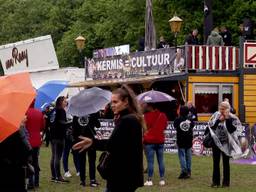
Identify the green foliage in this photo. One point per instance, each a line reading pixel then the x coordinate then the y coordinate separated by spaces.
pixel 106 23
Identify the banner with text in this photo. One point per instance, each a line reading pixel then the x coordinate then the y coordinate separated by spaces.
pixel 160 61
pixel 107 126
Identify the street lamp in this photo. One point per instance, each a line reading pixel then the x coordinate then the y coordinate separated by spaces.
pixel 175 24
pixel 80 43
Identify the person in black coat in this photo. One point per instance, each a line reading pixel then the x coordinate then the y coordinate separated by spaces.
pixel 125 167
pixel 192 115
pixel 226 35
pixel 184 127
pixel 192 38
pixel 15 152
pixel 84 126
pixel 125 143
pixel 58 128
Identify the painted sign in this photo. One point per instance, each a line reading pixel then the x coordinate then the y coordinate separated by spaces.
pixel 250 55
pixel 31 55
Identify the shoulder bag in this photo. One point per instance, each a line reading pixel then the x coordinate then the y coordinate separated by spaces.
pixel 208 140
pixel 103 166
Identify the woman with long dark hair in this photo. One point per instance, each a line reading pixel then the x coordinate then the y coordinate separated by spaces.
pixel 125 166
pixel 58 132
pixel 125 143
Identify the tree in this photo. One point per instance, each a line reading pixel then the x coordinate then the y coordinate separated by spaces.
pixel 110 23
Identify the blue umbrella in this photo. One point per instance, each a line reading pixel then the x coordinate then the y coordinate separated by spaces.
pixel 48 93
pixel 154 97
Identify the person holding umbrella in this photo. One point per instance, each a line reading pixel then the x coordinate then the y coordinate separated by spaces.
pixel 156 123
pixel 17 93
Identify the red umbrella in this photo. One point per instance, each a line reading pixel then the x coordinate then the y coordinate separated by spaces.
pixel 16 95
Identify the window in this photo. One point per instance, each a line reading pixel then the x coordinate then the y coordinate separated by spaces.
pixel 208 96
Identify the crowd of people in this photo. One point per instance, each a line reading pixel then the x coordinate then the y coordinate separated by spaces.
pixel 138 127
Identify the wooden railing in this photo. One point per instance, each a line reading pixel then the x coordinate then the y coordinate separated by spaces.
pixel 216 58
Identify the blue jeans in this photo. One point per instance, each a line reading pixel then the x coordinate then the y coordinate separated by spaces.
pixel 151 149
pixel 66 152
pixel 185 156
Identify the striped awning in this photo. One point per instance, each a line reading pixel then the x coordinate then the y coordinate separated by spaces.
pixel 227 89
pixel 206 89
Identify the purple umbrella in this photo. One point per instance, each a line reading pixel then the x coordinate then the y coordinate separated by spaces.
pixel 154 97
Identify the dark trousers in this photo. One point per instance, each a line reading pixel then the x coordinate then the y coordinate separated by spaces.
pixel 92 167
pixel 47 136
pixel 216 154
pixel 66 152
pixel 57 150
pixel 119 189
pixel 12 178
pixel 34 179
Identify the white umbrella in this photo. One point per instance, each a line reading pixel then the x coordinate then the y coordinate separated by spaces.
pixel 154 97
pixel 88 101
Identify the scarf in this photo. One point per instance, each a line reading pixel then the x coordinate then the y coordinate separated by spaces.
pixel 232 147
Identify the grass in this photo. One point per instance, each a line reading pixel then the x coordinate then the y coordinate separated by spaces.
pixel 242 177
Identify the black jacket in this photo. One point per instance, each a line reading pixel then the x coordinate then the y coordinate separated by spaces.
pixel 219 132
pixel 193 114
pixel 227 38
pixel 59 125
pixel 125 147
pixel 229 123
pixel 84 126
pixel 184 128
pixel 191 40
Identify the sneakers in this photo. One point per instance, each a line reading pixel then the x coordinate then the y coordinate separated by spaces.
pixel 162 183
pixel 148 183
pixel 67 174
pixel 78 174
pixel 94 183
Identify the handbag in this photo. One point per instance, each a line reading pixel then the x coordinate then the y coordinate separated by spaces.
pixel 208 140
pixel 103 166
